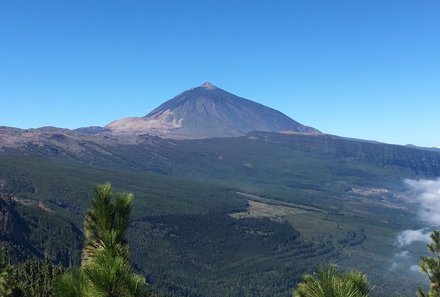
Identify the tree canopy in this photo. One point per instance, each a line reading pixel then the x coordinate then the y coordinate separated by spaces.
pixel 431 266
pixel 105 269
pixel 329 282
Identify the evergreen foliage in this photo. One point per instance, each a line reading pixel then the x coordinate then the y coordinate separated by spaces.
pixel 32 278
pixel 37 278
pixel 7 283
pixel 214 259
pixel 431 266
pixel 328 282
pixel 49 236
pixel 105 269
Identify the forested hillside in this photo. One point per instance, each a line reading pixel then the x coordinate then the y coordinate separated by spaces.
pixel 186 235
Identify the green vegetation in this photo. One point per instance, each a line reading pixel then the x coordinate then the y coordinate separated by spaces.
pixel 328 282
pixel 431 267
pixel 213 253
pixel 32 278
pixel 31 231
pixel 49 236
pixel 105 269
pixel 64 187
pixel 37 278
pixel 340 199
pixel 360 236
pixel 7 287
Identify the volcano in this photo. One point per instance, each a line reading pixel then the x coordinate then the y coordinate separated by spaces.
pixel 209 112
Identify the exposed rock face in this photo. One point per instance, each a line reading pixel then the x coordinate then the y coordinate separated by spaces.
pixel 208 112
pixel 10 229
pixel 6 224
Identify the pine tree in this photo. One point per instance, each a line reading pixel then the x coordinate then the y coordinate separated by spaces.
pixel 105 269
pixel 8 286
pixel 37 278
pixel 431 266
pixel 328 282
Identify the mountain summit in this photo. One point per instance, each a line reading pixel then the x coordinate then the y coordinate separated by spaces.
pixel 207 112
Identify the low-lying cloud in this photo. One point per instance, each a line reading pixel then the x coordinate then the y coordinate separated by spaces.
pixel 405 262
pixel 426 193
pixel 402 255
pixel 415 268
pixel 425 196
pixel 408 237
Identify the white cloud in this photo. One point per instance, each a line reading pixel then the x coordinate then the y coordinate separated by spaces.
pixel 415 268
pixel 402 261
pixel 407 237
pixel 426 193
pixel 402 255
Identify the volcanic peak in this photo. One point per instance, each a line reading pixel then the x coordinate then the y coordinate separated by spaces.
pixel 209 112
pixel 208 86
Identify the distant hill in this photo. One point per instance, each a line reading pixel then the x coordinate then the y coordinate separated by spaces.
pixel 432 149
pixel 208 112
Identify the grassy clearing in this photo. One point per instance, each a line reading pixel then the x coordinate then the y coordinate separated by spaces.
pixel 264 210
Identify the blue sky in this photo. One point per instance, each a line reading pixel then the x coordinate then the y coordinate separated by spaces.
pixel 364 69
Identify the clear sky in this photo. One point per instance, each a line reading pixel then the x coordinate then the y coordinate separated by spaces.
pixel 368 69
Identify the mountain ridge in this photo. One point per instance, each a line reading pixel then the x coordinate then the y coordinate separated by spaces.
pixel 209 112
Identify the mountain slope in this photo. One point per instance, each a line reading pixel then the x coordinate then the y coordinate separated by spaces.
pixel 196 158
pixel 322 190
pixel 208 112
